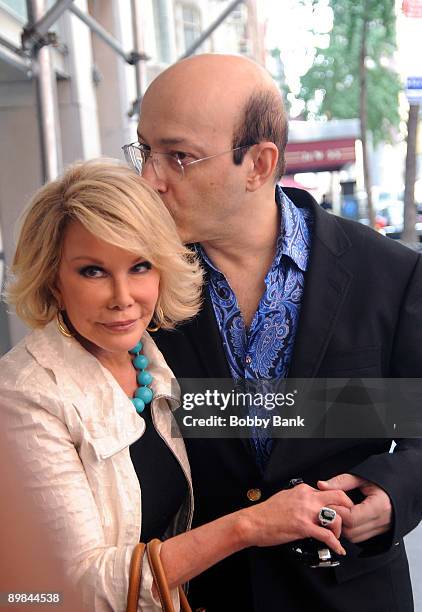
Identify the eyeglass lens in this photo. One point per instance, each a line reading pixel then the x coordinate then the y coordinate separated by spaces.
pixel 164 164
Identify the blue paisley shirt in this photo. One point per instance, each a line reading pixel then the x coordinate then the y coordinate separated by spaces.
pixel 264 351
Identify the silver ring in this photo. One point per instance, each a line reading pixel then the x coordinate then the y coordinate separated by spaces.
pixel 326 516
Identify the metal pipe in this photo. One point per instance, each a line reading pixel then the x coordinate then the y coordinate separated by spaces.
pixel 16 61
pixel 138 43
pixel 138 46
pixel 46 102
pixel 93 25
pixel 37 29
pixel 48 117
pixel 9 45
pixel 163 10
pixel 206 33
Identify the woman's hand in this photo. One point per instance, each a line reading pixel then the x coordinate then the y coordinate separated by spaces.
pixel 286 516
pixel 293 515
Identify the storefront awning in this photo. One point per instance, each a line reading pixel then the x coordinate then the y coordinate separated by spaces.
pixel 319 155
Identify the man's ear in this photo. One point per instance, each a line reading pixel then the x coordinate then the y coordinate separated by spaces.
pixel 265 157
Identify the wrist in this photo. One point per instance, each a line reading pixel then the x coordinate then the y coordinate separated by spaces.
pixel 246 528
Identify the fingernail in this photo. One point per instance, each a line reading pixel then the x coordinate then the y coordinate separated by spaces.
pixel 343 552
pixel 323 481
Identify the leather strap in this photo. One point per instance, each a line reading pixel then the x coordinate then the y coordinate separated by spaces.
pixel 160 580
pixel 135 578
pixel 184 605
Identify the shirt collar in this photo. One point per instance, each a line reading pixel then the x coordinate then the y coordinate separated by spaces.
pixel 293 239
pixel 204 257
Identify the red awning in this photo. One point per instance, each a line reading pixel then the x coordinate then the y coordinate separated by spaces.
pixel 319 155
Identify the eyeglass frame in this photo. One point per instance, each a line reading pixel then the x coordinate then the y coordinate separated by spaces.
pixel 139 146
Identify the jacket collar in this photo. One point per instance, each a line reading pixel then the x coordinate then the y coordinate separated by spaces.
pixel 327 283
pixel 100 402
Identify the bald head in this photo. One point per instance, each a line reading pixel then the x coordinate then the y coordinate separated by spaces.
pixel 216 93
pixel 234 75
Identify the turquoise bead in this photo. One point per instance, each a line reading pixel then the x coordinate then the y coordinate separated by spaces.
pixel 144 378
pixel 138 403
pixel 140 362
pixel 144 393
pixel 136 349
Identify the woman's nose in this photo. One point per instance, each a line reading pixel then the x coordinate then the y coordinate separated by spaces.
pixel 121 296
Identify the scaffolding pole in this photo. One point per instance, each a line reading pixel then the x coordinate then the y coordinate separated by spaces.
pixel 16 60
pixel 138 43
pixel 36 31
pixel 10 46
pixel 207 33
pixel 131 58
pixel 46 98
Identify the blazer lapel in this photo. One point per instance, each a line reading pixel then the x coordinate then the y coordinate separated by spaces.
pixel 327 283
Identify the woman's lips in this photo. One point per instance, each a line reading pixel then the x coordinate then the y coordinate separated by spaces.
pixel 119 325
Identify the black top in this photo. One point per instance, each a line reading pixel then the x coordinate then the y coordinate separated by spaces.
pixel 163 483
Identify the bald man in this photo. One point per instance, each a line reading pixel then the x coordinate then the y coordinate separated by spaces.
pixel 291 292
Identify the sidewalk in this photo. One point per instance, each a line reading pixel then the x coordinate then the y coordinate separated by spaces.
pixel 414 552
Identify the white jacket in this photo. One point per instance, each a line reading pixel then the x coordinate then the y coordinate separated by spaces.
pixel 72 424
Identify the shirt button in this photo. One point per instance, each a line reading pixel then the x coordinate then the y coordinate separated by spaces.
pixel 248 359
pixel 254 495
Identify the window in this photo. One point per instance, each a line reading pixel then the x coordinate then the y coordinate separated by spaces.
pixel 17 7
pixel 188 25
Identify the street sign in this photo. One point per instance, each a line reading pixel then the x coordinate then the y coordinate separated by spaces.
pixel 414 89
pixel 414 82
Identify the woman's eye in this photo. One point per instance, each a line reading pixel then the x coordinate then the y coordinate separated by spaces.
pixel 92 272
pixel 142 266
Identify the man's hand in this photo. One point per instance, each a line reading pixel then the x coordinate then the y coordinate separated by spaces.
pixel 371 517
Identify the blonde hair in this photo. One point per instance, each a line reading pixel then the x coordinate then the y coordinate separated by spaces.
pixel 117 206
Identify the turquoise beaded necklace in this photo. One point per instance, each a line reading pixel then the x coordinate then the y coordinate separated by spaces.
pixel 143 394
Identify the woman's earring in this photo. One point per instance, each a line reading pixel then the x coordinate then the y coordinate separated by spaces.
pixel 63 329
pixel 159 314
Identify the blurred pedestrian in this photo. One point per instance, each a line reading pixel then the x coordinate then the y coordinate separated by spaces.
pixel 326 203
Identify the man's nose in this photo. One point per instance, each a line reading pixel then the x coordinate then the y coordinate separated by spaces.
pixel 150 175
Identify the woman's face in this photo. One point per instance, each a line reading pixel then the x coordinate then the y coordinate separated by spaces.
pixel 109 294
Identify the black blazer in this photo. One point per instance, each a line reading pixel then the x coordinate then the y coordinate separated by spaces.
pixel 361 316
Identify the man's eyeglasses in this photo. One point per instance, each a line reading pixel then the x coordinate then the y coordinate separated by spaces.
pixel 165 165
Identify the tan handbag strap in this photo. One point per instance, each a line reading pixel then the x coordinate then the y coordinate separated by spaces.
pixel 184 604
pixel 160 579
pixel 135 574
pixel 159 576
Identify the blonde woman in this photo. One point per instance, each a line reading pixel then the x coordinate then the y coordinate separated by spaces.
pixel 87 397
